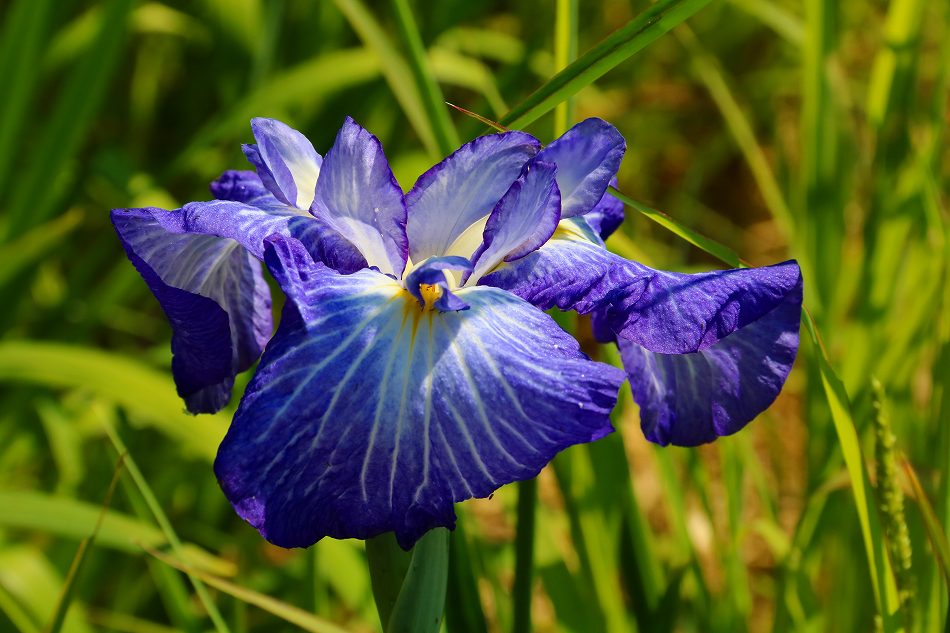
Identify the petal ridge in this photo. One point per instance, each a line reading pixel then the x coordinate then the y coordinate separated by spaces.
pixel 462 189
pixel 359 198
pixel 677 313
pixel 523 220
pixel 571 271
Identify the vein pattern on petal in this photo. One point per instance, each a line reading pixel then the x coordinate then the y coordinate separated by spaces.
pixel 368 414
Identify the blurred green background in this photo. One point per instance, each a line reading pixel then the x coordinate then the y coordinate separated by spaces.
pixel 809 129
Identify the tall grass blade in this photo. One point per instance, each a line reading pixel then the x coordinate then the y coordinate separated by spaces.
pixel 16 614
pixel 882 577
pixel 162 519
pixel 388 564
pixel 714 248
pixel 29 248
pixel 565 52
pixel 74 519
pixel 65 599
pixel 523 587
pixel 290 89
pixel 30 579
pixel 454 69
pixel 463 607
pixel 594 535
pixel 776 17
pixel 22 40
pixel 708 72
pixel 421 600
pixel 394 67
pixel 935 533
pixel 894 63
pixel 36 195
pixel 822 202
pixel 282 610
pixel 445 135
pixel 611 51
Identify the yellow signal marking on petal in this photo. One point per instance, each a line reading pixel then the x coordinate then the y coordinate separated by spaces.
pixel 567 230
pixel 430 294
pixel 412 313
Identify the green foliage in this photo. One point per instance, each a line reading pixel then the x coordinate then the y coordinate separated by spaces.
pixel 763 128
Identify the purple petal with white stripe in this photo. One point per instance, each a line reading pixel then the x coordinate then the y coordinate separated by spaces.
pixel 368 414
pixel 358 197
pixel 462 190
pixel 285 161
pixel 587 156
pixel 705 353
pixel 523 220
pixel 214 295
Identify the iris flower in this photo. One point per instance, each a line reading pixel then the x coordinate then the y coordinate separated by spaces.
pixel 414 366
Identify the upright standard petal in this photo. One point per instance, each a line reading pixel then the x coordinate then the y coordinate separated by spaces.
pixel 462 190
pixel 587 156
pixel 285 161
pixel 368 414
pixel 707 353
pixel 523 220
pixel 358 197
pixel 214 295
pixel 571 271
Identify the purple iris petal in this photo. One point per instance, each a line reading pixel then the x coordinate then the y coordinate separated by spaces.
pixel 587 157
pixel 213 293
pixel 706 353
pixel 571 271
pixel 523 220
pixel 358 197
pixel 368 414
pixel 676 313
pixel 239 186
pixel 199 263
pixel 690 399
pixel 432 273
pixel 607 215
pixel 250 223
pixel 463 189
pixel 285 161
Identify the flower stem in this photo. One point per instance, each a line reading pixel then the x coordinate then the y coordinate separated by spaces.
pixel 388 564
pixel 524 555
pixel 409 589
